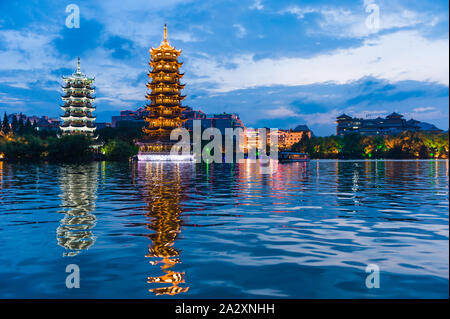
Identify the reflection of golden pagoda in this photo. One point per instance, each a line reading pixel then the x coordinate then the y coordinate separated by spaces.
pixel 79 187
pixel 164 109
pixel 1 174
pixel 163 201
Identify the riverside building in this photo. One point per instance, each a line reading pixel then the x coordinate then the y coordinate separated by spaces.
pixel 164 103
pixel 78 106
pixel 392 124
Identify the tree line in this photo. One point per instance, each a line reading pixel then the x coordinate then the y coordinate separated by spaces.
pixel 21 140
pixel 19 126
pixel 406 145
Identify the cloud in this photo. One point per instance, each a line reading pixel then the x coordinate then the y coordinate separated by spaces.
pixel 240 30
pixel 423 109
pixel 343 22
pixel 404 55
pixel 116 81
pixel 9 100
pixel 25 50
pixel 321 118
pixel 257 5
pixel 184 37
pixel 30 57
pixel 280 112
pixel 141 21
pixel 299 81
pixel 300 12
pixel 427 115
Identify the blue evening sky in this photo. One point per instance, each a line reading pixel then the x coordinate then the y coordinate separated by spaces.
pixel 278 63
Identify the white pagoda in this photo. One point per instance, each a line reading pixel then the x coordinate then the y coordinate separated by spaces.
pixel 78 99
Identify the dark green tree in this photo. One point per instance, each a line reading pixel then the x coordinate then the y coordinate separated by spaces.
pixel 28 128
pixel 119 150
pixel 24 149
pixel 14 124
pixel 70 148
pixel 20 125
pixel 5 124
pixel 302 145
pixel 352 146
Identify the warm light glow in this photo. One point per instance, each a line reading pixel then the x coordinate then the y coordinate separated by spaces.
pixel 157 157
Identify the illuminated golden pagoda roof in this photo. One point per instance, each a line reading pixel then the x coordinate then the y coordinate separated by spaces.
pixel 165 45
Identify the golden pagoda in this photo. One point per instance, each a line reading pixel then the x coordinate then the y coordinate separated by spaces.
pixel 164 100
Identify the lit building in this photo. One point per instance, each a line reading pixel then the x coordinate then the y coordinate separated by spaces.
pixel 35 118
pixel 252 139
pixel 164 108
pixel 102 125
pixel 41 123
pixel 49 124
pixel 78 99
pixel 129 118
pixel 227 120
pixel 287 138
pixel 392 124
pixel 190 116
pixel 223 121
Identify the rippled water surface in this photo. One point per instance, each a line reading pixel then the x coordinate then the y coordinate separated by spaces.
pixel 142 230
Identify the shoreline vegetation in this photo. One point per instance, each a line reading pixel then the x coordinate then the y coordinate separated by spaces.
pixel 22 141
pixel 117 144
pixel 45 145
pixel 406 145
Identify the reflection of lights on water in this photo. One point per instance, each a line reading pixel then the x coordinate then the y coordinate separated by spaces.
pixel 162 195
pixel 446 167
pixel 168 158
pixel 79 188
pixel 1 174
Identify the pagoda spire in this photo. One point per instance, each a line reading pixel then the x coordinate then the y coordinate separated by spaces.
pixel 78 66
pixel 165 33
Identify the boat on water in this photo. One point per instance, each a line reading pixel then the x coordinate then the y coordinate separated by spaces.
pixel 164 156
pixel 293 157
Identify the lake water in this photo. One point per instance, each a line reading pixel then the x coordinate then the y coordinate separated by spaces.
pixel 153 230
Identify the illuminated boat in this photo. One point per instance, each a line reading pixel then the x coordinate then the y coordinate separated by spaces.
pixel 164 156
pixel 293 157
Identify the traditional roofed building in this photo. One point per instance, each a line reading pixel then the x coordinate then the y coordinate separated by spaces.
pixel 78 99
pixel 392 124
pixel 164 107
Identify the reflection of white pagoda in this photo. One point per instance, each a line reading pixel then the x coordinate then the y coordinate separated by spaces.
pixel 79 188
pixel 78 99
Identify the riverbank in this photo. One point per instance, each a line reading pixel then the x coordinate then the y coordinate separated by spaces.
pixel 118 145
pixel 76 148
pixel 407 145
